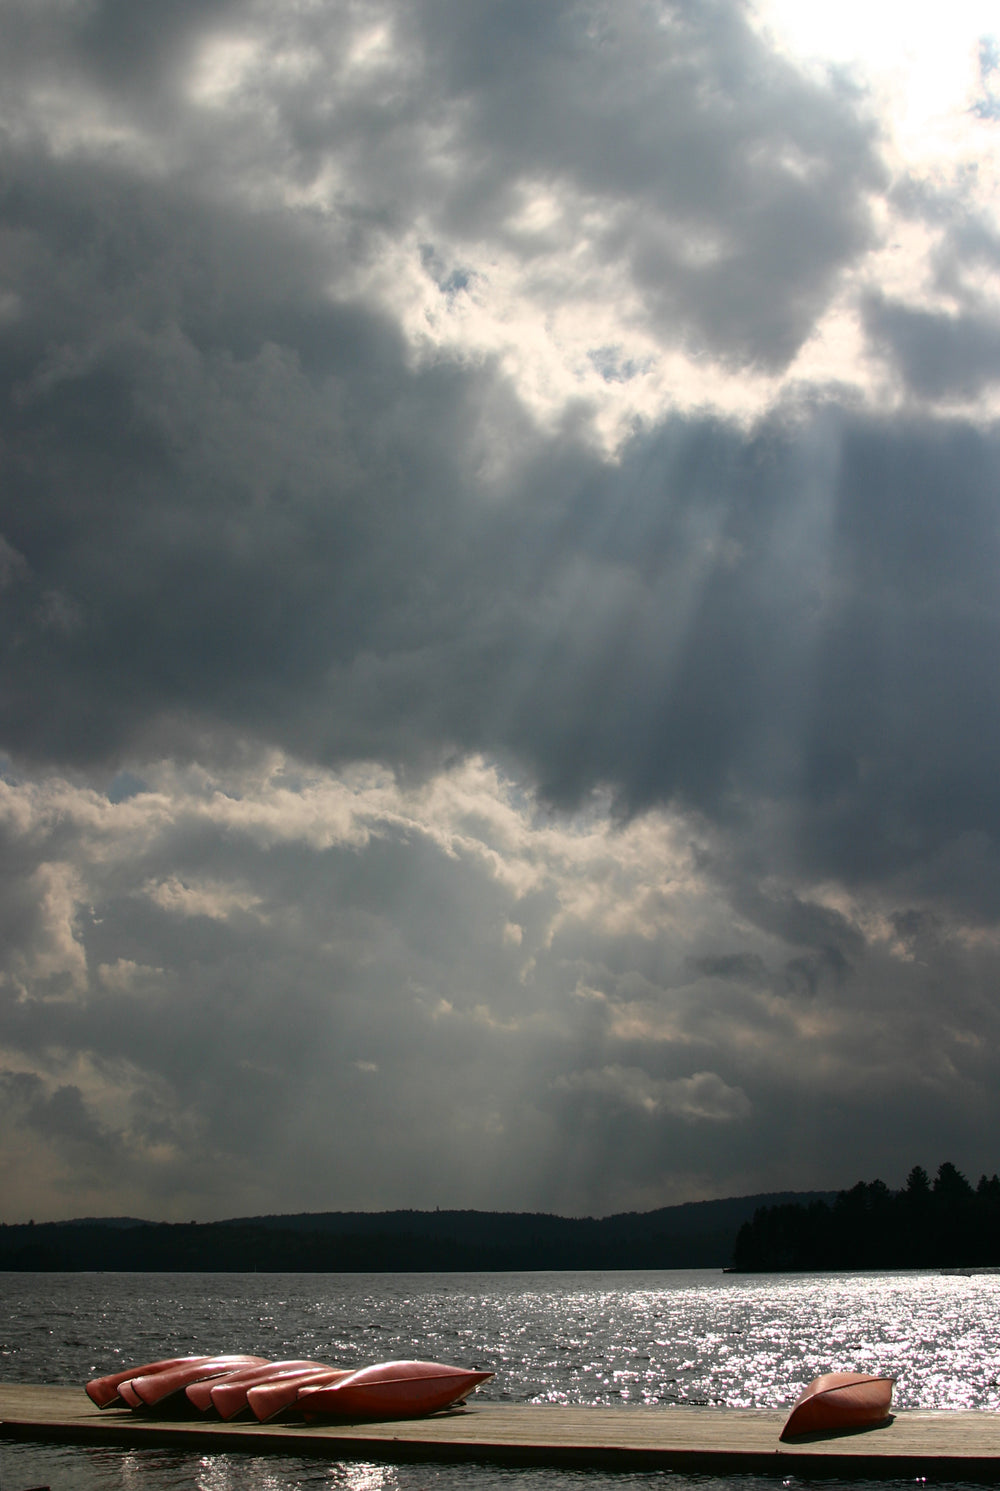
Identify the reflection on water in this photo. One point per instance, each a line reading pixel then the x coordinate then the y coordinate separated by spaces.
pixel 611 1338
pixel 66 1469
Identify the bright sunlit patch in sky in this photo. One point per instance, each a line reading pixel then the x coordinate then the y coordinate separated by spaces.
pixel 922 61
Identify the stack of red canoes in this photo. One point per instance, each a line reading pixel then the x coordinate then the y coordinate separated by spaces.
pixel 234 1384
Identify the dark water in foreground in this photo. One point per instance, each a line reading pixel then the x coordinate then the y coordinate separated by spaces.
pixel 696 1337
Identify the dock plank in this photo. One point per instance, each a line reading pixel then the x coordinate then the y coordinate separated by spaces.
pixel 940 1445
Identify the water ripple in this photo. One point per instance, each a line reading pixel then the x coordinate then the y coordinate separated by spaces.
pixel 677 1337
pixel 698 1337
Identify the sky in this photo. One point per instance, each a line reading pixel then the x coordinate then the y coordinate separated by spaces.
pixel 499 602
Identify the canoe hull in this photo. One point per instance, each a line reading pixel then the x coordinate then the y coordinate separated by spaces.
pixel 157 1388
pixel 391 1390
pixel 266 1400
pixel 103 1391
pixel 840 1400
pixel 129 1396
pixel 228 1395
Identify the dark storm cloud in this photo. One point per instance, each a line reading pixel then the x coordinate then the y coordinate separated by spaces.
pixel 64 1117
pixel 232 506
pixel 231 503
pixel 245 452
pixel 123 45
pixel 948 354
pixel 820 635
pixel 131 46
pixel 938 355
pixel 728 189
pixel 740 967
pixel 242 512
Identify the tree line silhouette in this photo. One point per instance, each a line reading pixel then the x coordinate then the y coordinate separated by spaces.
pixel 944 1224
pixel 698 1234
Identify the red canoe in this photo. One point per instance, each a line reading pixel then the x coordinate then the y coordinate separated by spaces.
pixel 228 1395
pixel 391 1390
pixel 104 1390
pixel 129 1395
pixel 268 1399
pixel 155 1388
pixel 840 1400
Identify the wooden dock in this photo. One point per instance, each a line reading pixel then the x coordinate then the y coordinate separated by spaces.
pixel 936 1445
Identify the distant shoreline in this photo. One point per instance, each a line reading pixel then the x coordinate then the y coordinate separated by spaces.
pixel 698 1234
pixel 944 1226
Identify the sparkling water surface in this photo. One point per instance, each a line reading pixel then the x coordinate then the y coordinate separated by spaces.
pixel 612 1338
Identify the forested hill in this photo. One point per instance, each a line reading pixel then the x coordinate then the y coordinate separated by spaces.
pixel 944 1225
pixel 700 1234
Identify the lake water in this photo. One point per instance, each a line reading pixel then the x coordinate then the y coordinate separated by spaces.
pixel 675 1337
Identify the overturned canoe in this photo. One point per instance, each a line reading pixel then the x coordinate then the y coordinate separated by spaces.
pixel 103 1391
pixel 278 1394
pixel 228 1394
pixel 153 1390
pixel 840 1400
pixel 390 1390
pixel 129 1396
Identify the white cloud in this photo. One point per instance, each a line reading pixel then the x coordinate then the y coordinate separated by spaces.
pixel 201 898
